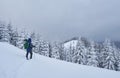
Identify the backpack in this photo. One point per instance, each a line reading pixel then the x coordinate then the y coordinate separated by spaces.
pixel 26 45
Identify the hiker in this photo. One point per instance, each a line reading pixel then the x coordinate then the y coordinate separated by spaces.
pixel 28 46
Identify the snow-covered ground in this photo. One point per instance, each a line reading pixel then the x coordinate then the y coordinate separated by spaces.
pixel 14 65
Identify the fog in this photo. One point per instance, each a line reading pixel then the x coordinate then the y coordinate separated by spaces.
pixel 64 19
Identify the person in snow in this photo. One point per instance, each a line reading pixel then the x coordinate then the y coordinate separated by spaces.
pixel 28 46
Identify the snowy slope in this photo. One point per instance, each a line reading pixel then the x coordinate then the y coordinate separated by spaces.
pixel 14 65
pixel 71 43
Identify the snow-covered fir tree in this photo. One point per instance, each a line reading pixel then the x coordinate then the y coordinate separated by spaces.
pixel 50 50
pixel 3 32
pixel 10 33
pixel 69 53
pixel 62 52
pixel 117 60
pixel 80 55
pixel 92 54
pixel 108 55
pixel 44 48
pixel 15 38
pixel 55 51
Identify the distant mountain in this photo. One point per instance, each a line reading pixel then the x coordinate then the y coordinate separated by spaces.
pixel 73 42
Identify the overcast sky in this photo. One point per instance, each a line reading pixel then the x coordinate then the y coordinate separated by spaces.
pixel 64 19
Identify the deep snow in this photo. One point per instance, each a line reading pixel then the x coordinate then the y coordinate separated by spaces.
pixel 13 64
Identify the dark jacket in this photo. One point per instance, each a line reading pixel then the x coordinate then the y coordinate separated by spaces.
pixel 30 45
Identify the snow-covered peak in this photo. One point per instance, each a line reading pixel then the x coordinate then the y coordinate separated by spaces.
pixel 71 43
